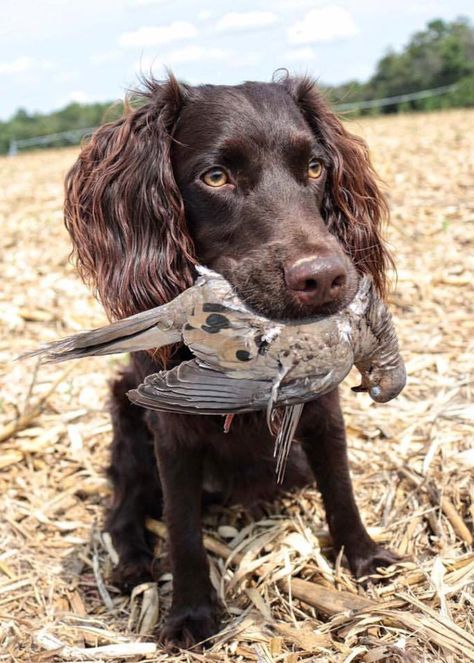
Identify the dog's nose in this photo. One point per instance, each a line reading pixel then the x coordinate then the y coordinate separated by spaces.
pixel 316 280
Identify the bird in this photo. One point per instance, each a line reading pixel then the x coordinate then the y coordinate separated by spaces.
pixel 244 361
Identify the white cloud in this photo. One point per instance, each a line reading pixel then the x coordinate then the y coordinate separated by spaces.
pixel 23 64
pixel 204 15
pixel 163 34
pixel 325 24
pixel 234 21
pixel 16 66
pixel 194 54
pixel 300 54
pixel 104 57
pixel 187 54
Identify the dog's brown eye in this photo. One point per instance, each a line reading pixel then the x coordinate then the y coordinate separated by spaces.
pixel 315 168
pixel 215 177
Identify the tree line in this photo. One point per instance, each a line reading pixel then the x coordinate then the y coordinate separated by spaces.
pixel 442 54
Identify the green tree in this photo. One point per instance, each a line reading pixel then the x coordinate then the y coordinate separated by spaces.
pixel 440 55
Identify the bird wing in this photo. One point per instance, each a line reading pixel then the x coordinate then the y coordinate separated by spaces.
pixel 216 325
pixel 127 335
pixel 193 388
pixel 232 339
pixel 149 329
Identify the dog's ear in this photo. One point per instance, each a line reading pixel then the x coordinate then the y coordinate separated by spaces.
pixel 354 207
pixel 124 211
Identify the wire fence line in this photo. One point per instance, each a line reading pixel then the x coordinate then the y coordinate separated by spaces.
pixel 71 136
pixel 400 98
pixel 74 135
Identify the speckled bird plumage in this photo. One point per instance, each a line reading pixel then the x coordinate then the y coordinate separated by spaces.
pixel 244 361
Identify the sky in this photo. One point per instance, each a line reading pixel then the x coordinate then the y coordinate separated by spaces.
pixel 53 52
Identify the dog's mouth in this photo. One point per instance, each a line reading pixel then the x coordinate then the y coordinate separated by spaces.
pixel 261 285
pixel 287 307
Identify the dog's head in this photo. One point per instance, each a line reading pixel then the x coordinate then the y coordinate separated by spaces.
pixel 259 181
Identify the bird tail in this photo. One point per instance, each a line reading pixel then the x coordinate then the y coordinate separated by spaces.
pixel 138 332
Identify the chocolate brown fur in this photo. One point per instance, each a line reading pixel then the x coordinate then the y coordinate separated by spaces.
pixel 140 217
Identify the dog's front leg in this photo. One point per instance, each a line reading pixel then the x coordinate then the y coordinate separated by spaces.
pixel 194 612
pixel 322 434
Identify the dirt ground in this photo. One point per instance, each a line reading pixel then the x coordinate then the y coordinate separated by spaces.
pixel 286 600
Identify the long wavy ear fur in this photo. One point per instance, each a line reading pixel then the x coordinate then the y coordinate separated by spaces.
pixel 124 211
pixel 353 206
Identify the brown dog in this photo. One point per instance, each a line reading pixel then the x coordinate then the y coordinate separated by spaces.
pixel 262 183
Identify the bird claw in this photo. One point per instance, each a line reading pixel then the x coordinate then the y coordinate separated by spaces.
pixel 359 388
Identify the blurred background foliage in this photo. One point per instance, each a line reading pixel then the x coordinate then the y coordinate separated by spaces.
pixel 441 54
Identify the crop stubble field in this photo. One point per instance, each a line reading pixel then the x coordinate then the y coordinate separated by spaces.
pixel 285 598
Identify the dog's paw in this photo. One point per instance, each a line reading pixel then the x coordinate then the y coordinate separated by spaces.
pixel 132 572
pixel 186 627
pixel 365 559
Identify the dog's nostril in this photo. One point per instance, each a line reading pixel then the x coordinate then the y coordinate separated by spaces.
pixel 338 282
pixel 310 284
